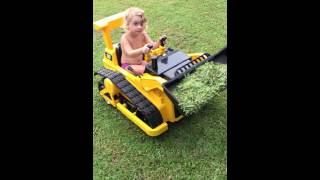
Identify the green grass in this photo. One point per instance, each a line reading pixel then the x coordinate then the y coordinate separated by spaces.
pixel 195 147
pixel 196 89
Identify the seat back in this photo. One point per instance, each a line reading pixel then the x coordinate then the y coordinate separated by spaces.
pixel 118 53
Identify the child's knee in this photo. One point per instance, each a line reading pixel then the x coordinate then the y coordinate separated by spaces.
pixel 140 71
pixel 144 63
pixel 137 69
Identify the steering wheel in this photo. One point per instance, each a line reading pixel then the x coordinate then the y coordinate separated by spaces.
pixel 158 51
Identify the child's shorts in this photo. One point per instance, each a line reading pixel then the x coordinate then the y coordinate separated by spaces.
pixel 124 65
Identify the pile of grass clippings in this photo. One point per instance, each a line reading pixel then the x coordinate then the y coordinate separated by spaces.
pixel 196 89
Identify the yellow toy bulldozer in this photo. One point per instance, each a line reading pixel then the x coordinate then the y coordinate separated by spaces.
pixel 146 99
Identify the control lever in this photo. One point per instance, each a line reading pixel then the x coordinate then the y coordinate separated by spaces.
pixel 162 40
pixel 154 63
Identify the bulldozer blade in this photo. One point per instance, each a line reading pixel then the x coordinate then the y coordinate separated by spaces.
pixel 220 57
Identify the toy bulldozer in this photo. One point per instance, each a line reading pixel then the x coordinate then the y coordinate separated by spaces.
pixel 146 99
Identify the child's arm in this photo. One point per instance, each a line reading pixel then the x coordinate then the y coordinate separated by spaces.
pixel 148 40
pixel 129 51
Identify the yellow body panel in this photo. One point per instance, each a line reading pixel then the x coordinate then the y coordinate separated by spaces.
pixel 194 55
pixel 148 85
pixel 112 90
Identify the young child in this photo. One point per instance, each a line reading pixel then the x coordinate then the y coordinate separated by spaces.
pixel 135 41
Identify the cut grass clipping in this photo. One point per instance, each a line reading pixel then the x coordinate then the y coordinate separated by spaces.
pixel 196 89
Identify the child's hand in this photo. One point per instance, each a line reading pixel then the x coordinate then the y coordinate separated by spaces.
pixel 146 48
pixel 163 40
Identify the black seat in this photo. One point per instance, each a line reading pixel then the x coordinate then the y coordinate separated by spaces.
pixel 118 53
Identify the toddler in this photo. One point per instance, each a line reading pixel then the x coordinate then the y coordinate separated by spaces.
pixel 135 42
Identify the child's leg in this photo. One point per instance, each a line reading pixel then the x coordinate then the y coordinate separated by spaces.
pixel 137 68
pixel 144 63
pixel 141 67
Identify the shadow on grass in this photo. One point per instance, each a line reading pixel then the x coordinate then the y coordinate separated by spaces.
pixel 206 126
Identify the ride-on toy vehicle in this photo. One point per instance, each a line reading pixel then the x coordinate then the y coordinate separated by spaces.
pixel 146 99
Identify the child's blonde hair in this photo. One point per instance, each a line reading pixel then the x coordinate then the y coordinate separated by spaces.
pixel 130 13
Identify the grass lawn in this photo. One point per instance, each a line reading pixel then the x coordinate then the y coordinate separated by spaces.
pixel 195 147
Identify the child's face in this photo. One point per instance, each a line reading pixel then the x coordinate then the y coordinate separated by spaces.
pixel 136 24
